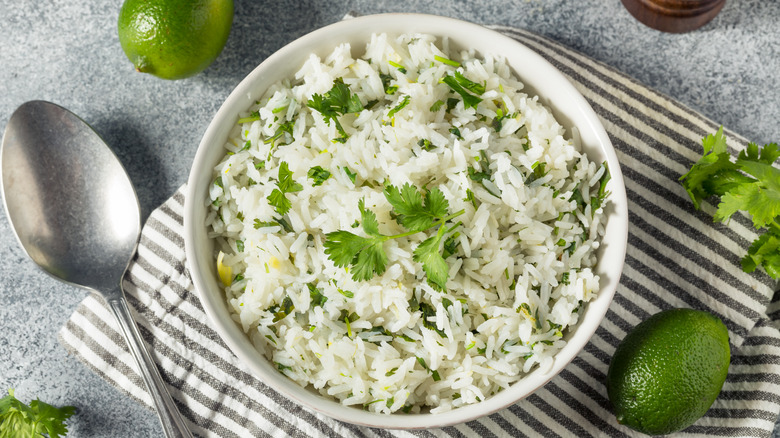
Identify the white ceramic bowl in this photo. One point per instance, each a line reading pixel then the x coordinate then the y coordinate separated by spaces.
pixel 540 77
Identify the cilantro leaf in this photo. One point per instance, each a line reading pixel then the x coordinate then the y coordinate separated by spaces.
pixel 255 115
pixel 427 311
pixel 285 184
pixel 761 201
pixel 714 173
pixel 369 262
pixel 435 267
pixel 426 144
pixel 20 420
pixel 283 128
pixel 414 212
pixel 537 171
pixel 365 255
pixel 759 196
pixel 280 202
pixel 342 247
pixel 338 101
pixel 368 219
pixel 276 222
pixel 767 155
pixel 765 251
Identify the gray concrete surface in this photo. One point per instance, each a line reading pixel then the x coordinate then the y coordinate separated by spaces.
pixel 68 52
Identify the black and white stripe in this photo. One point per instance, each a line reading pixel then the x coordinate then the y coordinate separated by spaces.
pixel 676 258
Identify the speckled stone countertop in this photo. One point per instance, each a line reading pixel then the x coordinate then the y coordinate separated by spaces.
pixel 68 52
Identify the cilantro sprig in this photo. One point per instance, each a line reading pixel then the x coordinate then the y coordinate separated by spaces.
pixel 285 184
pixel 20 420
pixel 336 102
pixel 415 211
pixel 750 184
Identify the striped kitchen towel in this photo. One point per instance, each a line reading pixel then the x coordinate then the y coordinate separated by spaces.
pixel 677 257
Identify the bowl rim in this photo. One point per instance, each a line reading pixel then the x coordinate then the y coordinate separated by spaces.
pixel 591 131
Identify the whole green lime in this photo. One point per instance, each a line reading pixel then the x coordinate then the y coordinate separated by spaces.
pixel 174 39
pixel 668 370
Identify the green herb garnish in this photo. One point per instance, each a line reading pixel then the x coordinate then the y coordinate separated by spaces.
pixel 386 79
pixel 426 144
pixel 537 171
pixel 417 213
pixel 434 373
pixel 283 127
pixel 20 420
pixel 399 107
pixel 346 293
pixel 750 184
pixel 447 61
pixel 462 85
pixel 350 174
pixel 400 67
pixel 281 311
pixel 316 297
pixel 284 185
pixel 318 175
pixel 253 116
pixel 336 102
pixel 501 115
pixel 598 199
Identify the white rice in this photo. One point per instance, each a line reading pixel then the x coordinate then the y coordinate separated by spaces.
pixel 525 250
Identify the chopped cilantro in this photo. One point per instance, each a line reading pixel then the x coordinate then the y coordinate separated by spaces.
pixel 350 174
pixel 400 67
pixel 462 85
pixel 316 297
pixel 447 61
pixel 404 102
pixel 318 175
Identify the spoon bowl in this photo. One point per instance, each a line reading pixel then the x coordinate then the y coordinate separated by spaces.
pixel 75 213
pixel 69 201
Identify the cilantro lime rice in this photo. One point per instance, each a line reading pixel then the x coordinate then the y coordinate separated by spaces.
pixel 406 230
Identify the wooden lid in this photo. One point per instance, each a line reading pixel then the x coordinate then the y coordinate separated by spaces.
pixel 676 16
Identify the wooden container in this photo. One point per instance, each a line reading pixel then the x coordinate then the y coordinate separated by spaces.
pixel 676 16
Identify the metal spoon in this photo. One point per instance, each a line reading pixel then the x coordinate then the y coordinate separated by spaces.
pixel 75 213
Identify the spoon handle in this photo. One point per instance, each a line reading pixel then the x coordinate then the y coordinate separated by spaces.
pixel 170 418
